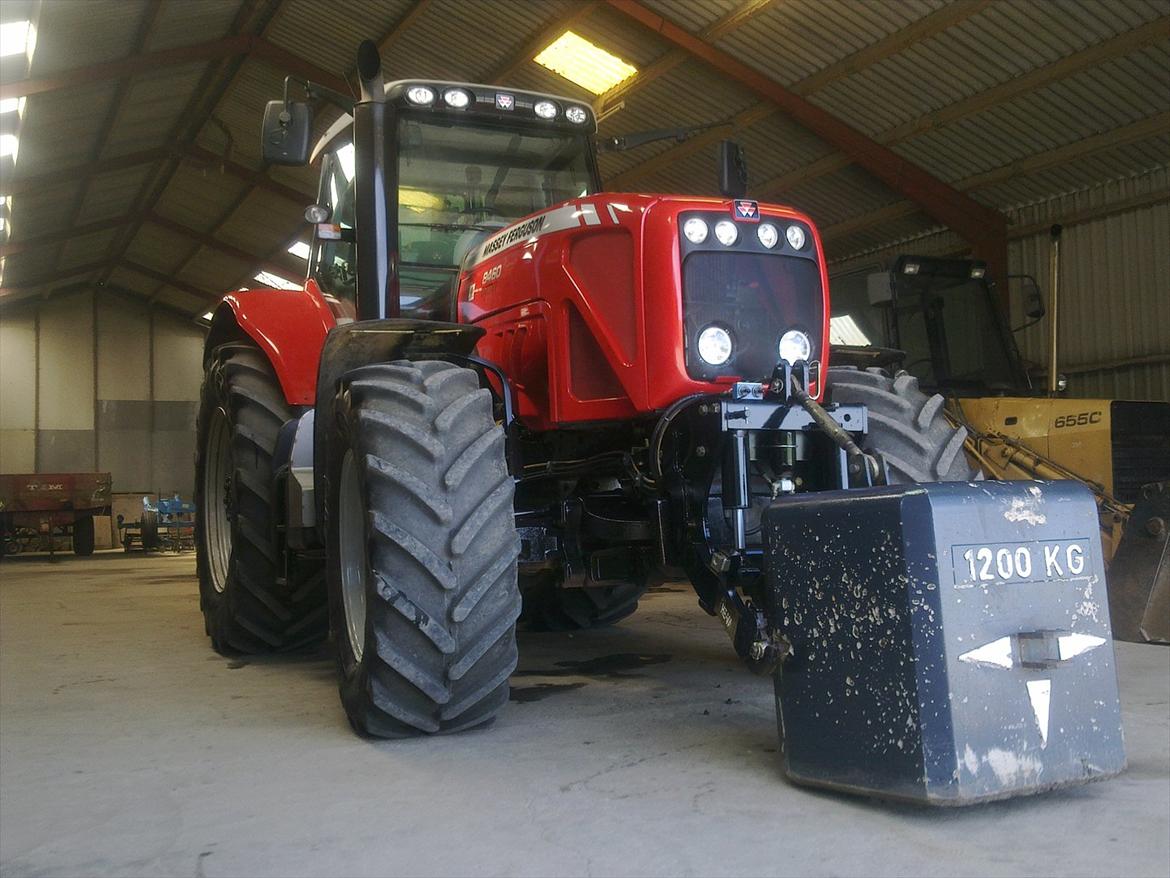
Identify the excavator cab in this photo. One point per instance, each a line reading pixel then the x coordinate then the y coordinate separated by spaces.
pixel 939 320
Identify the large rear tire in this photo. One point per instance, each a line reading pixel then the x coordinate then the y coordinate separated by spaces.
pixel 906 427
pixel 422 550
pixel 250 603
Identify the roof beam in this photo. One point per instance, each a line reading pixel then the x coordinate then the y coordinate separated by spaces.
pixel 507 68
pixel 1159 29
pixel 219 246
pixel 12 248
pixel 228 47
pixel 973 221
pixel 80 173
pixel 164 278
pixel 117 101
pixel 922 29
pixel 1042 77
pixel 49 277
pixel 1152 126
pixel 672 59
pixel 200 106
pixel 258 179
pixel 396 30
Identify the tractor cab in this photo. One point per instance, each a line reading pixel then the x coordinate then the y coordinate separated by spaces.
pixel 939 320
pixel 451 163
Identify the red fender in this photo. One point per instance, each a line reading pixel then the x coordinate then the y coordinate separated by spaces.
pixel 288 325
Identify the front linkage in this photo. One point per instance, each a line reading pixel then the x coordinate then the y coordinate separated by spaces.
pixel 712 455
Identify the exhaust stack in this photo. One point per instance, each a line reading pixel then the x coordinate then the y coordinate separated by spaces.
pixel 376 201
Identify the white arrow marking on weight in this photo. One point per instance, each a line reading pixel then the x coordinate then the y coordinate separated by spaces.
pixel 1071 645
pixel 997 653
pixel 1040 694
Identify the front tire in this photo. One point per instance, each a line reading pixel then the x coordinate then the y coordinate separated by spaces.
pixel 250 603
pixel 422 550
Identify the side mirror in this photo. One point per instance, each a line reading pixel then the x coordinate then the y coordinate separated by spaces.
pixel 284 135
pixel 1034 304
pixel 732 170
pixel 1034 307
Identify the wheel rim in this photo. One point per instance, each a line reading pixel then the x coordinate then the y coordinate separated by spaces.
pixel 351 524
pixel 217 474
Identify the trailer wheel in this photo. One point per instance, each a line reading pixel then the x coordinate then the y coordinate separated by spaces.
pixel 83 535
pixel 906 427
pixel 548 607
pixel 422 550
pixel 248 604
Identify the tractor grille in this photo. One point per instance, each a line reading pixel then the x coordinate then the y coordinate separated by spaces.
pixel 757 297
pixel 1141 447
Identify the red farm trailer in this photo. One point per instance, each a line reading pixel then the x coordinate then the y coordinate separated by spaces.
pixel 36 507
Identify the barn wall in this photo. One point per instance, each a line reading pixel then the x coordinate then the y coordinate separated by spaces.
pixel 1115 283
pixel 100 383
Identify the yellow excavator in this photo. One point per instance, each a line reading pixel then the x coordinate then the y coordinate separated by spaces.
pixel 940 320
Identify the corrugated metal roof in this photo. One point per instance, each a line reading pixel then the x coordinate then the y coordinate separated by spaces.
pixel 694 15
pixel 181 24
pixel 793 40
pixel 789 41
pixel 112 195
pixel 197 194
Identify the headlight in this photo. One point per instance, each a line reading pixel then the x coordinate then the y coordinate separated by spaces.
pixel 795 235
pixel 768 235
pixel 457 98
pixel 794 347
pixel 545 109
pixel 715 345
pixel 576 115
pixel 695 230
pixel 420 94
pixel 726 232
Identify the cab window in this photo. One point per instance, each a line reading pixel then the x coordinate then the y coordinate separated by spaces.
pixel 335 259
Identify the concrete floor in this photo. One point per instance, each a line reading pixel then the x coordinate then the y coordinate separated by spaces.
pixel 128 748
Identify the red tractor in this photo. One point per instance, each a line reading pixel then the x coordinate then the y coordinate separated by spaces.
pixel 504 394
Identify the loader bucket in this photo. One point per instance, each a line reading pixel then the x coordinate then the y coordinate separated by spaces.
pixel 950 642
pixel 1139 576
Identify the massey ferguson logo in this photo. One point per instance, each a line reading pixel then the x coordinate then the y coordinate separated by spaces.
pixel 746 210
pixel 505 102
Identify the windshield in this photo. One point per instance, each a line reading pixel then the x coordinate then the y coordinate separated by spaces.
pixel 458 182
pixel 946 325
pixel 948 330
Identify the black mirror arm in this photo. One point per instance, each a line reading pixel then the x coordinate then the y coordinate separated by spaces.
pixel 639 138
pixel 319 92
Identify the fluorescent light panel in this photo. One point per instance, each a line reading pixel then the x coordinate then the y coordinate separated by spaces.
pixel 582 62
pixel 276 281
pixel 17 37
pixel 300 250
pixel 844 330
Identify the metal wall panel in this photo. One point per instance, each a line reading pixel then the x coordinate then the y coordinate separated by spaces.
pixel 65 364
pixel 140 426
pixel 1115 290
